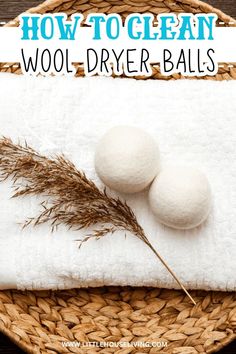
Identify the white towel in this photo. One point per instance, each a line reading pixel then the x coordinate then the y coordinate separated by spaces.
pixel 194 123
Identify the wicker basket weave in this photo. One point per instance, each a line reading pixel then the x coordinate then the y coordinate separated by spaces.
pixel 226 71
pixel 39 322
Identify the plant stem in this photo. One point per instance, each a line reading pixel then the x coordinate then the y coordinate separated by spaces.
pixel 170 271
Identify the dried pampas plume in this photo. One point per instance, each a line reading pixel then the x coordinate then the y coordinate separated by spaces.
pixel 74 199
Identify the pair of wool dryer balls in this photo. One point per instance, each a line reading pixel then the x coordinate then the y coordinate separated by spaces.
pixel 127 159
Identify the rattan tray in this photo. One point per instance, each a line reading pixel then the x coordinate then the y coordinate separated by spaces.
pixel 39 322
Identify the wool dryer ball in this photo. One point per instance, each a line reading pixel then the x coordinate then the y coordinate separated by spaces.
pixel 180 197
pixel 127 159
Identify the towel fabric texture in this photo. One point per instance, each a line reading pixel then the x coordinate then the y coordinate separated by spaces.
pixel 194 123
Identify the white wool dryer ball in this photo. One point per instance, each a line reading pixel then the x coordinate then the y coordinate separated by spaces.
pixel 127 159
pixel 180 197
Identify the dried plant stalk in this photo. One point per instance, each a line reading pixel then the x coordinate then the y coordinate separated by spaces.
pixel 74 199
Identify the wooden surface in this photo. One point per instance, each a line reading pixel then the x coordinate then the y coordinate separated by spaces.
pixel 6 347
pixel 10 9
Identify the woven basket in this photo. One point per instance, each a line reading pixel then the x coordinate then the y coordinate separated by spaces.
pixel 227 71
pixel 39 322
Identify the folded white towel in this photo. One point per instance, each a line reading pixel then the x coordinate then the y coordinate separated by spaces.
pixel 194 123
